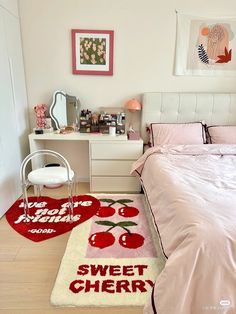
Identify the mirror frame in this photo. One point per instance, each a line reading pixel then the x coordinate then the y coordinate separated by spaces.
pixel 53 105
pixel 55 94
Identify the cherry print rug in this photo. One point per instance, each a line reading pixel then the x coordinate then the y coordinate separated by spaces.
pixel 49 217
pixel 112 259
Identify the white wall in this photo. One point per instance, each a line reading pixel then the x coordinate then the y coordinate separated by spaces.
pixel 143 51
pixel 11 6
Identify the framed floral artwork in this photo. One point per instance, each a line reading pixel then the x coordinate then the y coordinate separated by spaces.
pixel 92 51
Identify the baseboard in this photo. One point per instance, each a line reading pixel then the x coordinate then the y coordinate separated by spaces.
pixel 82 179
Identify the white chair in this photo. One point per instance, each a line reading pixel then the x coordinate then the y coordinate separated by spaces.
pixel 49 176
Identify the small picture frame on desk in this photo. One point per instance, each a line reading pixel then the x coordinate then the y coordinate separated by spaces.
pixel 42 131
pixel 38 131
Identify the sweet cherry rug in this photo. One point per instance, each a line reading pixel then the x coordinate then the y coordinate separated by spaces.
pixel 49 217
pixel 112 259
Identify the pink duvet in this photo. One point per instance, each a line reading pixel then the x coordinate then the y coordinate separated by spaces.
pixel 191 190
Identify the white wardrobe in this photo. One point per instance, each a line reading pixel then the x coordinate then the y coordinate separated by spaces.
pixel 14 124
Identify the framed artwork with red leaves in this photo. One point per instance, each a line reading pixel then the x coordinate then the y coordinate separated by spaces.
pixel 205 46
pixel 92 51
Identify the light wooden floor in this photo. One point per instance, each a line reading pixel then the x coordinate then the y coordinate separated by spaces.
pixel 28 271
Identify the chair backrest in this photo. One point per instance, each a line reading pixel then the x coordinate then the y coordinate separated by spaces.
pixel 44 152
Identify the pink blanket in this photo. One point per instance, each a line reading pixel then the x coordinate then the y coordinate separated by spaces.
pixel 191 190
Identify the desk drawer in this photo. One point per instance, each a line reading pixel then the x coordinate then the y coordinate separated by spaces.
pixel 116 150
pixel 115 184
pixel 111 167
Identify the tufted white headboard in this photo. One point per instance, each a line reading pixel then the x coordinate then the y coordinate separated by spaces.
pixel 213 108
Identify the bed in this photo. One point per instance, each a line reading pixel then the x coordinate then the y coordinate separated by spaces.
pixel 191 191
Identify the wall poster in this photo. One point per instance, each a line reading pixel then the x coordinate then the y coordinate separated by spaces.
pixel 205 46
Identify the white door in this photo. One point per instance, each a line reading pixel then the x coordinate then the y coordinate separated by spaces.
pixel 15 56
pixel 13 110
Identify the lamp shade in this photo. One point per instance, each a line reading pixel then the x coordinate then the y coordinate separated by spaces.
pixel 133 105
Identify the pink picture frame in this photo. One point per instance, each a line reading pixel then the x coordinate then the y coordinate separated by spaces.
pixel 92 51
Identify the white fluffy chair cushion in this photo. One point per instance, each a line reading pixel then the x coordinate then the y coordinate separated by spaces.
pixel 49 175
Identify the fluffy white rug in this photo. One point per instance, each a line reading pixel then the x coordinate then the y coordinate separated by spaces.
pixel 112 259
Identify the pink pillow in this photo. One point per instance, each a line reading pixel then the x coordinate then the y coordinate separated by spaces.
pixel 177 133
pixel 225 134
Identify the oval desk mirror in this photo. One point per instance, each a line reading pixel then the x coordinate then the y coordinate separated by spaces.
pixel 64 110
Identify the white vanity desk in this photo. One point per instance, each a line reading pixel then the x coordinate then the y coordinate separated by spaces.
pixel 110 158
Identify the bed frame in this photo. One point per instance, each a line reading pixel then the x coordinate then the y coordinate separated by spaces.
pixel 213 108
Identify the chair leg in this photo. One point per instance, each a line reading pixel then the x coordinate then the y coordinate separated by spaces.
pixel 26 203
pixel 74 188
pixel 71 201
pixel 38 192
pixel 74 185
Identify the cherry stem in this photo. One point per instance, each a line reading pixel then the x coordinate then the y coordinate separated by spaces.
pixel 112 203
pixel 126 229
pixel 123 203
pixel 110 228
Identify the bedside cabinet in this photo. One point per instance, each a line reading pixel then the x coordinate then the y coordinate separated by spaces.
pixel 110 165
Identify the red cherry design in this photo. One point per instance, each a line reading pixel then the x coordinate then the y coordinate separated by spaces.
pixel 105 211
pixel 101 239
pixel 131 240
pixel 128 211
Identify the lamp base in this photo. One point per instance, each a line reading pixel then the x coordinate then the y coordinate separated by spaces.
pixel 133 135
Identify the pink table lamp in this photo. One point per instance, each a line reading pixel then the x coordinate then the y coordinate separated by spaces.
pixel 133 105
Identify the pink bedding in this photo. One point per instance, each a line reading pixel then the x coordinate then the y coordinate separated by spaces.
pixel 191 190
